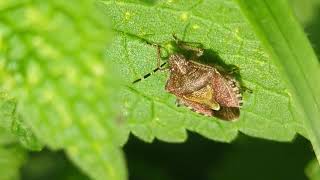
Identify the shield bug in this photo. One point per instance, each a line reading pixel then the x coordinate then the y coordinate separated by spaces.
pixel 205 89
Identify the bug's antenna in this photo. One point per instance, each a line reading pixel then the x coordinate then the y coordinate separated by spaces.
pixel 159 66
pixel 150 73
pixel 189 46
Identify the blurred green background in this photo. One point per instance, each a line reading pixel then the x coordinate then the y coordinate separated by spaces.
pixel 198 158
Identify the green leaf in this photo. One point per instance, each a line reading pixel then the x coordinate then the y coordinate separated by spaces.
pixel 11 159
pixel 13 130
pixel 305 11
pixel 52 62
pixel 220 27
pixel 25 135
pixel 313 170
pixel 291 51
pixel 12 155
pixel 7 109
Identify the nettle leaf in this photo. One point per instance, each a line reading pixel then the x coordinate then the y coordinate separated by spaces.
pixel 313 170
pixel 220 27
pixel 297 62
pixel 12 155
pixel 13 129
pixel 12 158
pixel 7 111
pixel 25 135
pixel 52 62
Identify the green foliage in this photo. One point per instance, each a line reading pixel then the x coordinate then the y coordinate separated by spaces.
pixel 11 158
pixel 52 62
pixel 220 27
pixel 25 135
pixel 12 155
pixel 291 51
pixel 305 11
pixel 313 170
pixel 65 94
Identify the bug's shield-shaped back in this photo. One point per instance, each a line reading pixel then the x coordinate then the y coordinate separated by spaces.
pixel 226 90
pixel 203 88
pixel 191 83
pixel 204 96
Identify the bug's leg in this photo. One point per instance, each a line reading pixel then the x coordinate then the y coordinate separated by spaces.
pixel 178 102
pixel 234 70
pixel 229 71
pixel 197 48
pixel 246 89
pixel 160 67
pixel 196 107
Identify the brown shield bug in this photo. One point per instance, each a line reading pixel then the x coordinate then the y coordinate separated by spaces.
pixel 205 89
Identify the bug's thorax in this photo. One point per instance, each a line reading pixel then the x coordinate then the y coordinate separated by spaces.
pixel 178 63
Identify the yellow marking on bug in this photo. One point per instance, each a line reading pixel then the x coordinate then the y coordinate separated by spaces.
pixel 184 16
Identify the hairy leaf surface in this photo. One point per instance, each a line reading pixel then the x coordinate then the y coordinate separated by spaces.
pixel 220 27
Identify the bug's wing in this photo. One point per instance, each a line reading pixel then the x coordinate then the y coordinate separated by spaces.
pixel 204 96
pixel 227 113
pixel 194 80
pixel 196 107
pixel 226 91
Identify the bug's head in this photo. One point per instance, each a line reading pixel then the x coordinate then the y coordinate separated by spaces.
pixel 178 63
